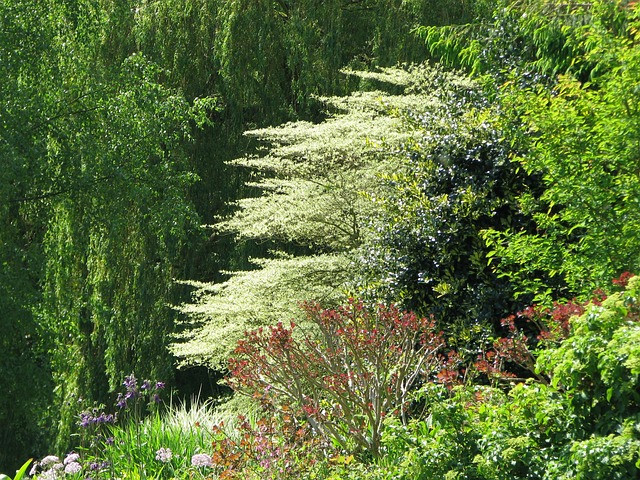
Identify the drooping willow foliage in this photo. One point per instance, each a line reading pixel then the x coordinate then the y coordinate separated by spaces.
pixel 95 201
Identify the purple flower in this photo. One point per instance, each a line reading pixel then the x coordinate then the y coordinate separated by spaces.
pixel 72 468
pixel 85 419
pixel 201 460
pixel 159 385
pixel 130 383
pixel 164 455
pixel 95 466
pixel 146 385
pixel 121 401
pixel 104 418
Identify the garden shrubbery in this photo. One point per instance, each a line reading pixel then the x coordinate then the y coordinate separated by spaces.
pixel 578 420
pixel 575 416
pixel 572 412
pixel 375 393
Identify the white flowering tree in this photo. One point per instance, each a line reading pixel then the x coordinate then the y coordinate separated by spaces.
pixel 317 186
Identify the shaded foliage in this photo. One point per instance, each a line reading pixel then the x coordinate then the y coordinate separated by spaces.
pixel 25 376
pixel 110 247
pixel 425 247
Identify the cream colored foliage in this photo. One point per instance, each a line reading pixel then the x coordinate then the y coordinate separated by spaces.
pixel 313 176
pixel 220 313
pixel 316 183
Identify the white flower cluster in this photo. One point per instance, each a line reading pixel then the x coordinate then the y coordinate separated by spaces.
pixel 51 468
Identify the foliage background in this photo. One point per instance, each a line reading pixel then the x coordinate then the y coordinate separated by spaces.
pixel 122 133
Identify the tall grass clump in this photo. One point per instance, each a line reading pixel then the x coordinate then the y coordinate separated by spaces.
pixel 140 437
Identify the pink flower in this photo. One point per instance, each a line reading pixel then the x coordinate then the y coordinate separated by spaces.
pixel 72 468
pixel 201 460
pixel 164 455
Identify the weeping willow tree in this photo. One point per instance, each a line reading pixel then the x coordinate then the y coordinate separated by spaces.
pixel 95 198
pixel 315 190
pixel 394 39
pixel 112 240
pixel 25 379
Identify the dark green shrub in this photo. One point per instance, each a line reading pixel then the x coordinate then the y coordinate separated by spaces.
pixel 426 249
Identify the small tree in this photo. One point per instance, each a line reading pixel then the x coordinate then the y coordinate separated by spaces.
pixel 359 366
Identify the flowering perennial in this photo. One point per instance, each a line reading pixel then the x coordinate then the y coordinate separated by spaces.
pixel 201 460
pixel 164 455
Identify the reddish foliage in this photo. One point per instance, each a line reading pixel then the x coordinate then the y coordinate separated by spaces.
pixel 358 366
pixel 452 371
pixel 526 331
pixel 532 328
pixel 623 279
